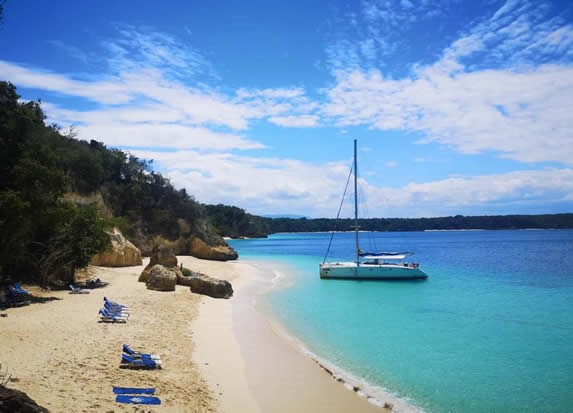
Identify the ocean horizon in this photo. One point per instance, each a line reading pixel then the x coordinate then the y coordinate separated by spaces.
pixel 490 330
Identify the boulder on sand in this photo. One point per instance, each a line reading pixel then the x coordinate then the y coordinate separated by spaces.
pixel 161 279
pixel 203 284
pixel 200 249
pixel 160 255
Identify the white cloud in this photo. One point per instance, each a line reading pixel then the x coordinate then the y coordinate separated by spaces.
pixel 292 186
pixel 474 194
pixel 259 185
pixel 303 121
pixel 507 103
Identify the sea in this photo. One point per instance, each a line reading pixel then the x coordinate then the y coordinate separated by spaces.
pixel 490 330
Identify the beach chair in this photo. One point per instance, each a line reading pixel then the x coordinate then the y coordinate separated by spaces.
pixel 114 304
pixel 78 290
pixel 16 290
pixel 115 310
pixel 133 390
pixel 128 361
pixel 131 399
pixel 128 350
pixel 20 290
pixel 16 296
pixel 106 316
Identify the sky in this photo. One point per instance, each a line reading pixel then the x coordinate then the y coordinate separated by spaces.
pixel 459 106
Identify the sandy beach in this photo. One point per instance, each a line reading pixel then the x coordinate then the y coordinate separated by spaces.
pixel 218 355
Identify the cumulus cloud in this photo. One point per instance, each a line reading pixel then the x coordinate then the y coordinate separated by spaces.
pixel 313 189
pixel 257 184
pixel 516 109
pixel 503 86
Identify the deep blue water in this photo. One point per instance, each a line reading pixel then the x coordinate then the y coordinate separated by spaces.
pixel 491 330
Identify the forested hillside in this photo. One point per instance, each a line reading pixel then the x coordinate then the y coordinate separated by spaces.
pixel 424 224
pixel 58 194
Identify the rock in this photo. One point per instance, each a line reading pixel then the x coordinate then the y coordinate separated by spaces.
pixel 161 279
pixel 15 401
pixel 200 249
pixel 203 284
pixel 183 280
pixel 160 255
pixel 122 254
pixel 163 255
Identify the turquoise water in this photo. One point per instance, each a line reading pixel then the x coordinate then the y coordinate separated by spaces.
pixel 491 330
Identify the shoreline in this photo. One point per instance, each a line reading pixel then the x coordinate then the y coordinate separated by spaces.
pixel 375 395
pixel 281 374
pixel 218 355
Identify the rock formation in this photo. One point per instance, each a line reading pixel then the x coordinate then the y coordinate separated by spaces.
pixel 163 256
pixel 203 284
pixel 122 254
pixel 200 249
pixel 161 279
pixel 162 274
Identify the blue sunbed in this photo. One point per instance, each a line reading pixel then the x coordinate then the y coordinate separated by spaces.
pixel 144 363
pixel 128 350
pixel 133 390
pixel 122 398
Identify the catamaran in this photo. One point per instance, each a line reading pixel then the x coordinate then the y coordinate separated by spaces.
pixel 371 265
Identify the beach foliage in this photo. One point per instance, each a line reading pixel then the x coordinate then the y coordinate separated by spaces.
pixel 49 179
pixel 40 233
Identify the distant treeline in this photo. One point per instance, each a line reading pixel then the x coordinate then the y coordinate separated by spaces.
pixel 424 224
pixel 235 222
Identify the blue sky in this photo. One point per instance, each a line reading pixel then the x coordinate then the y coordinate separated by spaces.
pixel 459 107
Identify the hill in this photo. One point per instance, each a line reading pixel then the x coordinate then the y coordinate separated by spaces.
pixel 58 194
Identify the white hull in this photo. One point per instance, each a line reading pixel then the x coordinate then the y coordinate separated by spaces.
pixel 350 271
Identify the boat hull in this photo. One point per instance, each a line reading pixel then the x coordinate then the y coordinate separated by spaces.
pixel 349 271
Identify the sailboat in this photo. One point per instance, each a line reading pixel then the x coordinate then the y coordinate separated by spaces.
pixel 371 265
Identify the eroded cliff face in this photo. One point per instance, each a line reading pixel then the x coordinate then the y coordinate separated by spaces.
pixel 122 253
pixel 195 238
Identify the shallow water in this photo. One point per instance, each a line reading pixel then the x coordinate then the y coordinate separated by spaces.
pixel 490 330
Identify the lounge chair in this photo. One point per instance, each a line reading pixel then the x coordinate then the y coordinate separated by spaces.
pixel 128 350
pixel 114 304
pixel 19 289
pixel 15 290
pixel 116 313
pixel 124 398
pixel 115 310
pixel 133 390
pixel 110 317
pixel 139 363
pixel 78 290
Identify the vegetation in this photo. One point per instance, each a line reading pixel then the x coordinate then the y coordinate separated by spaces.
pixel 230 221
pixel 43 235
pixel 38 229
pixel 424 224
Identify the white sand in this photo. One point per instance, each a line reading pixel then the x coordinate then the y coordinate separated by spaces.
pixel 67 361
pixel 218 355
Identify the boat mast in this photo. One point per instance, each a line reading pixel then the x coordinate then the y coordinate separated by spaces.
pixel 356 205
